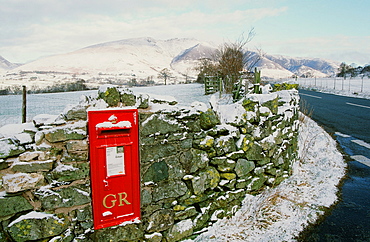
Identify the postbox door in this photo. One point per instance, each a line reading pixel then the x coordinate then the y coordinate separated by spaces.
pixel 114 161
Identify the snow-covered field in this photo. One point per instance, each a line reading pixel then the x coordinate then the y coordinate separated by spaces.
pixel 54 103
pixel 277 214
pixel 50 103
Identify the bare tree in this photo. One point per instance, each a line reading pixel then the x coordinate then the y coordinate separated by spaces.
pixel 206 67
pixel 234 58
pixel 164 74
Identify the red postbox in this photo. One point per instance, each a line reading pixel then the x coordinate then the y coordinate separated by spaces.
pixel 114 166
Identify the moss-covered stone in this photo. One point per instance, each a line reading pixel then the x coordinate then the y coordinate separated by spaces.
pixel 241 184
pixel 186 213
pixel 35 166
pixel 126 232
pixel 128 98
pixel 272 105
pixel 244 167
pixel 160 220
pixel 190 200
pixel 4 164
pixel 11 205
pixel 154 152
pixel 10 147
pixel 76 113
pixel 75 156
pixel 69 172
pixel 193 125
pixel 77 145
pixel 169 189
pixel 224 164
pixel 205 179
pixel 245 142
pixel 201 220
pixel 111 96
pixel 193 170
pixel 256 183
pixel 154 237
pixel 143 101
pixel 160 124
pixel 255 152
pixel 84 217
pixel 204 144
pixel 180 230
pixel 37 225
pixel 224 145
pixel 208 119
pixel 193 160
pixel 63 134
pixel 64 197
pixel 228 176
pixel 158 171
pixel 284 86
pixel 249 105
pixel 175 171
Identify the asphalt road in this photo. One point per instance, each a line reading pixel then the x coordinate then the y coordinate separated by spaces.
pixel 348 120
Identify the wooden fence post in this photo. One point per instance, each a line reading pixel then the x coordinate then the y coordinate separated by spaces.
pixel 24 105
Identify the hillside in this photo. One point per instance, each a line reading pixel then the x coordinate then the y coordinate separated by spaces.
pixel 144 58
pixel 318 67
pixel 141 57
pixel 6 65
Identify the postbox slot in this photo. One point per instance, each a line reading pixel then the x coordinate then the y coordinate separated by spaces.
pixel 114 132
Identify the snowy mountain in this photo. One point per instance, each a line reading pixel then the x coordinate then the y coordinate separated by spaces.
pixel 144 58
pixel 272 69
pixel 301 66
pixel 6 65
pixel 187 60
pixel 141 57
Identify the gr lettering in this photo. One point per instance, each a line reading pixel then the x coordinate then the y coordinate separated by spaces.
pixel 110 200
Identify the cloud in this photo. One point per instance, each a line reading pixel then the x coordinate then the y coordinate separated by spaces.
pixel 47 33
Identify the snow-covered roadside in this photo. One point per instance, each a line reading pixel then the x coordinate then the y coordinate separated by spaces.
pixel 281 213
pixel 346 93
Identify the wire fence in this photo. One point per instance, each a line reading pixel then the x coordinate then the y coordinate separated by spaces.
pixel 352 85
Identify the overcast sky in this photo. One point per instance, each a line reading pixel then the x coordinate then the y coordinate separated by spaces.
pixel 332 29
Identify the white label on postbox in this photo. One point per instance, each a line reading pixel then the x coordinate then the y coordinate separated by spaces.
pixel 115 160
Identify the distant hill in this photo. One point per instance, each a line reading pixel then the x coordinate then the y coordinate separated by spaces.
pixel 145 57
pixel 300 66
pixel 6 65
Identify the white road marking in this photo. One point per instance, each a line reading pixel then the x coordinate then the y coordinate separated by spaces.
pixel 342 135
pixel 356 141
pixel 362 159
pixel 358 105
pixel 361 142
pixel 310 95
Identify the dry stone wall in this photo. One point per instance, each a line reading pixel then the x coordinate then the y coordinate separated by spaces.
pixel 197 164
